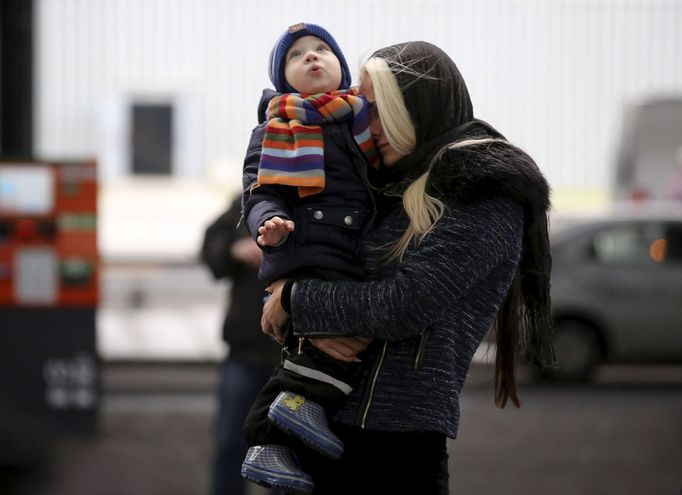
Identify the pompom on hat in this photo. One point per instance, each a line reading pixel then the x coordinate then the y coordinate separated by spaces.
pixel 284 42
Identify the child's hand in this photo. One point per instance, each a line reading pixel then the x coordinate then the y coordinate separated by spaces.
pixel 274 231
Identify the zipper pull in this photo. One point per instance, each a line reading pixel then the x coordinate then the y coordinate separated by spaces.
pixel 284 352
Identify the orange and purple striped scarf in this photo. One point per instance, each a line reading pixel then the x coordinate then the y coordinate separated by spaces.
pixel 293 146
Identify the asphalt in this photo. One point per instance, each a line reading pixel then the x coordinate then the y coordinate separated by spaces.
pixel 621 435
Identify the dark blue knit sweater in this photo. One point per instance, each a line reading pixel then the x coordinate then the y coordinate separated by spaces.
pixel 429 313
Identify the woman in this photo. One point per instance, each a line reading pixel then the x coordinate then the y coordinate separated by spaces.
pixel 460 245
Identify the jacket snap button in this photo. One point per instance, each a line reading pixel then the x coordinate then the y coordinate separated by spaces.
pixel 317 215
pixel 348 220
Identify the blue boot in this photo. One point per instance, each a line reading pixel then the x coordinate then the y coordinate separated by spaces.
pixel 274 466
pixel 307 421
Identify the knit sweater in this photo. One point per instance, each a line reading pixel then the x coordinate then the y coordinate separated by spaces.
pixel 428 313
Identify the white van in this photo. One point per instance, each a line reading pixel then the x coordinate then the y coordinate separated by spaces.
pixel 650 151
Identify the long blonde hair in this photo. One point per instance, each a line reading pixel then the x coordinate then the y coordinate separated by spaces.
pixel 395 119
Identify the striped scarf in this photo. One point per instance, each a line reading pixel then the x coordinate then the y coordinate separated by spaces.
pixel 293 147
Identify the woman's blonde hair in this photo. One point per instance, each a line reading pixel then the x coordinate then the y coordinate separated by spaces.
pixel 422 209
pixel 395 119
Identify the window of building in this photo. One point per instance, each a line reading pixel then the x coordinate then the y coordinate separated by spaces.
pixel 152 139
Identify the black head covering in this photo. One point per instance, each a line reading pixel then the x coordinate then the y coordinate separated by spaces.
pixel 435 93
pixel 437 99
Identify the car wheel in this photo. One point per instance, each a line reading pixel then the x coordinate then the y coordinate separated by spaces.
pixel 577 352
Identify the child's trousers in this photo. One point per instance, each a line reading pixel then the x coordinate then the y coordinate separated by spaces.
pixel 311 373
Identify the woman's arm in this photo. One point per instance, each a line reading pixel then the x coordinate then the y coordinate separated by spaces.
pixel 464 247
pixel 274 317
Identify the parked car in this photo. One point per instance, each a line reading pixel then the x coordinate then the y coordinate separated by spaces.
pixel 617 290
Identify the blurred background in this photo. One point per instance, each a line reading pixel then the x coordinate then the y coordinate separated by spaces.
pixel 123 125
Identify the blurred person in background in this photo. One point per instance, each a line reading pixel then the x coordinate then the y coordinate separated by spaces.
pixel 230 253
pixel 460 244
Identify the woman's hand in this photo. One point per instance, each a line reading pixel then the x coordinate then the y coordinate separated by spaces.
pixel 342 348
pixel 274 317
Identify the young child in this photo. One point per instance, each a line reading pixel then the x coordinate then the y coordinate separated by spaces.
pixel 307 202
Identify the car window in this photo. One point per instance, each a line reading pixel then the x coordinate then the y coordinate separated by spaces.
pixel 644 243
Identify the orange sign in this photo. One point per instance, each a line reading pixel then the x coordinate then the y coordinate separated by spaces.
pixel 48 234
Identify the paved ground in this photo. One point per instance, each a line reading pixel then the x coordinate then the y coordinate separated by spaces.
pixel 622 435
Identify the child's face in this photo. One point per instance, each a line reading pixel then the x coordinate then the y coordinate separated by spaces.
pixel 311 66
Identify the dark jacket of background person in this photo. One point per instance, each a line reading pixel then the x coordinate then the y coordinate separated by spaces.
pixel 328 224
pixel 241 328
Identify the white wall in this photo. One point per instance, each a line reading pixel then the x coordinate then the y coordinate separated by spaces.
pixel 552 75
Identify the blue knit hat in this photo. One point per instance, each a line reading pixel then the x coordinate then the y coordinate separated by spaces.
pixel 279 51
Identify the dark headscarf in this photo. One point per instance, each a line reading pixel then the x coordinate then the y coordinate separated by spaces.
pixel 433 88
pixel 438 102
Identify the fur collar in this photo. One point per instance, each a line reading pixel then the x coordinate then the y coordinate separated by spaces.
pixel 472 174
pixel 478 172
